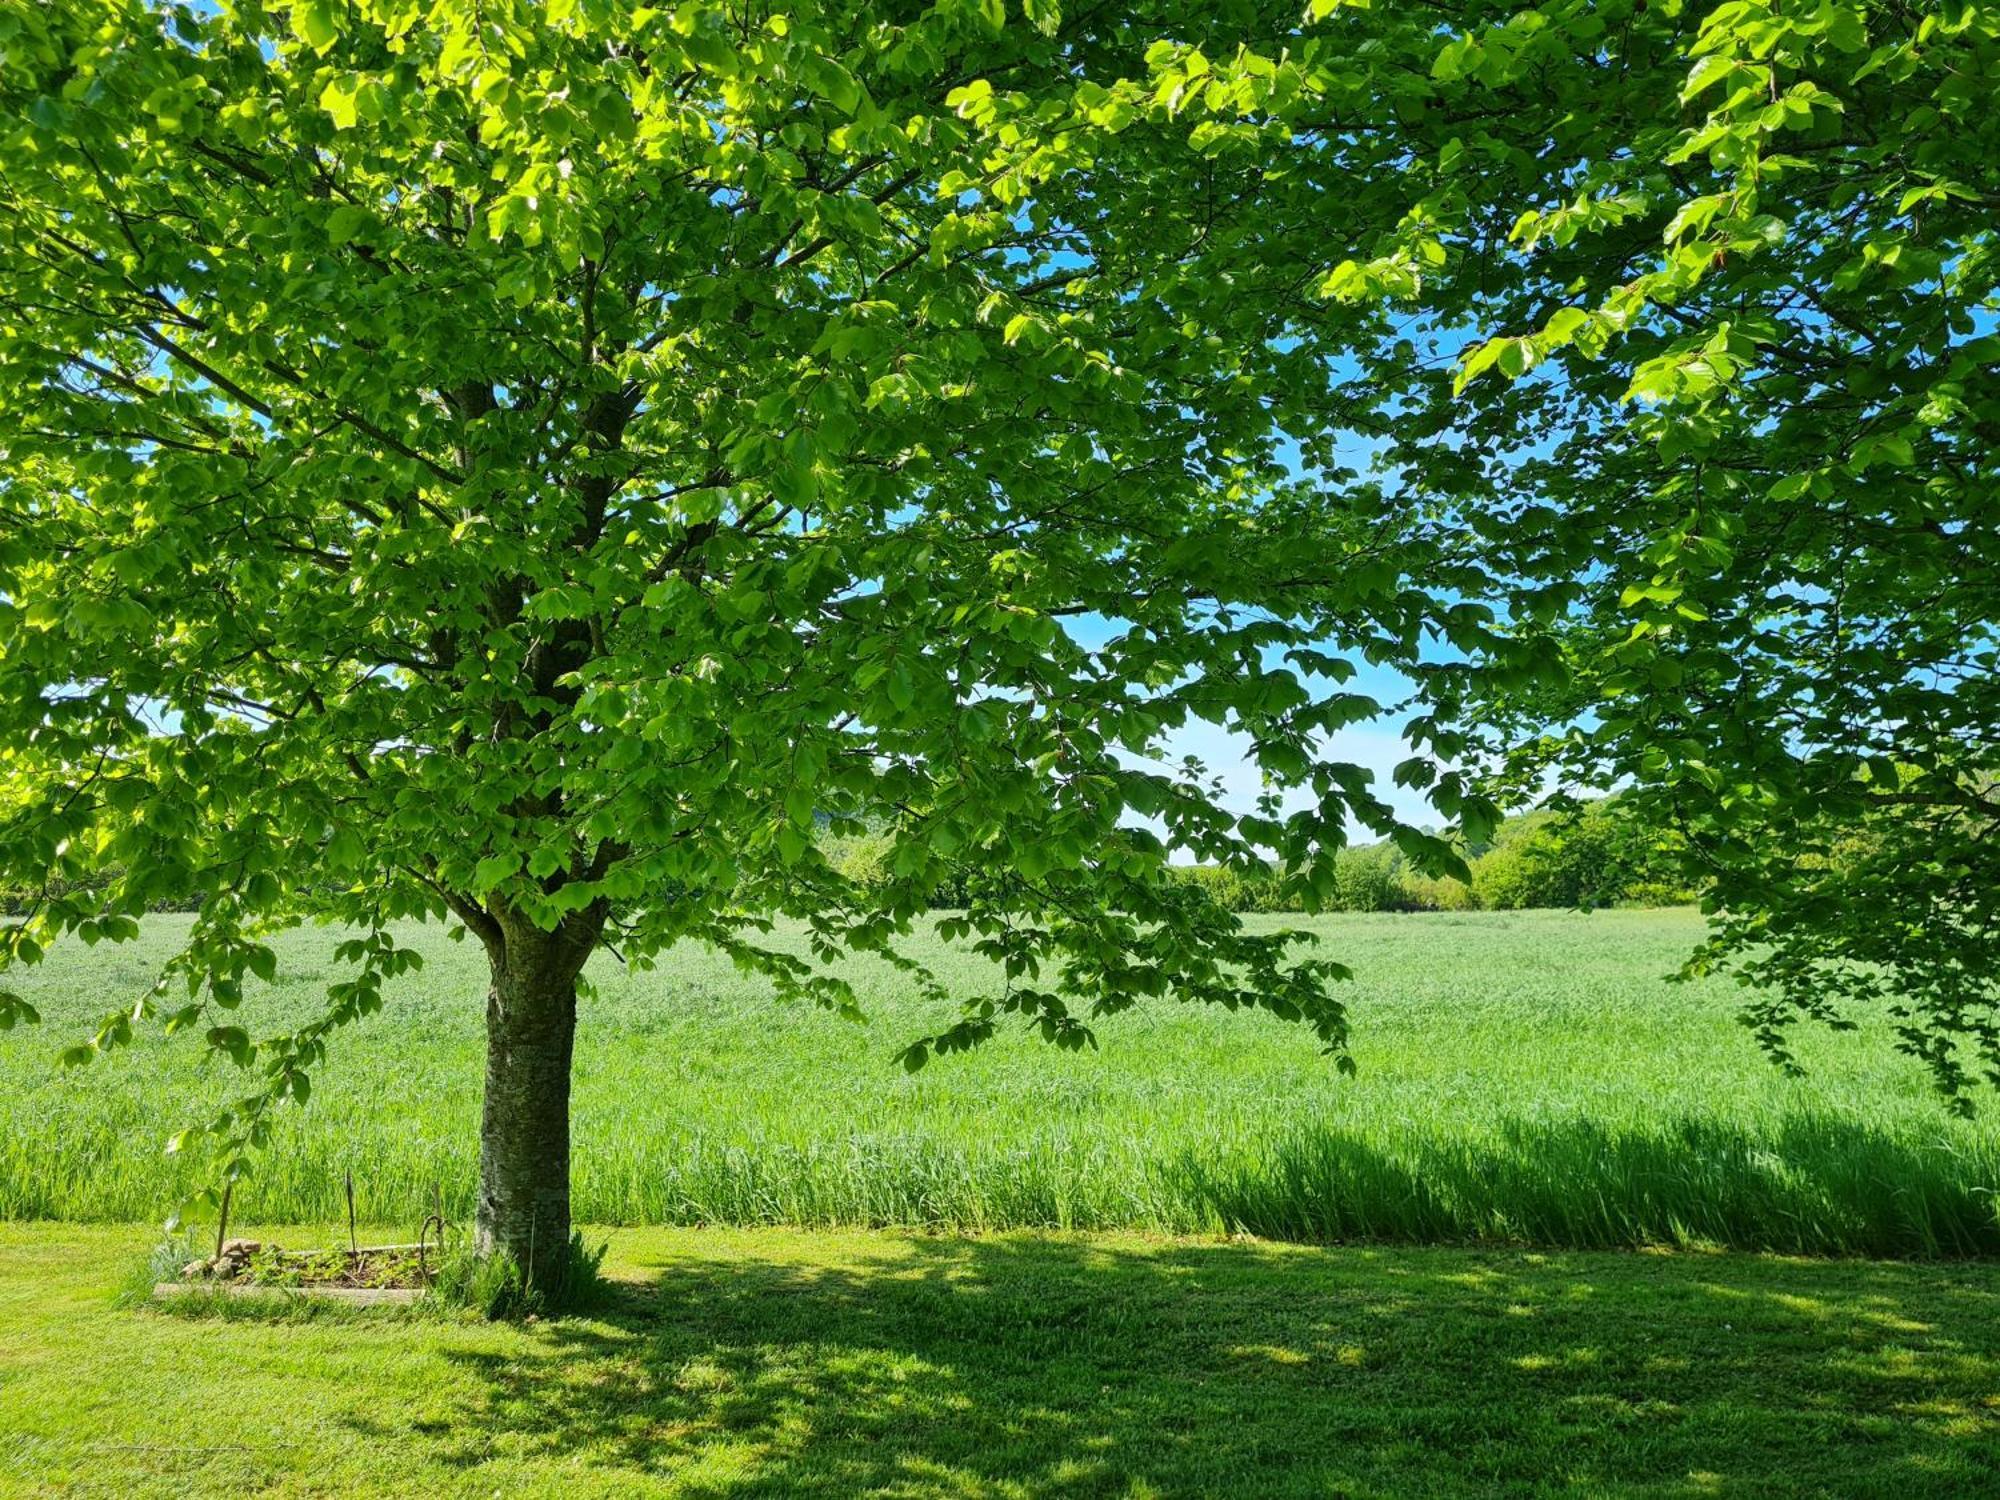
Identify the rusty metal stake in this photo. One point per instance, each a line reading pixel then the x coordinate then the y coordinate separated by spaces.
pixel 423 1235
pixel 222 1218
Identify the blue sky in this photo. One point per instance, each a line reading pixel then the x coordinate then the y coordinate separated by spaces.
pixel 1377 743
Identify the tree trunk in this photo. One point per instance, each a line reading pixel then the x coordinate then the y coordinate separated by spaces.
pixel 524 1128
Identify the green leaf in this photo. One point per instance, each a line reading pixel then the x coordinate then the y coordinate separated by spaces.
pixel 345 850
pixel 14 1009
pixel 494 869
pixel 234 1041
pixel 315 22
pixel 839 86
pixel 1478 363
pixel 1705 74
pixel 338 99
pixel 1517 357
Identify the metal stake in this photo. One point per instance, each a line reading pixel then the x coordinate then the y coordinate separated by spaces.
pixel 222 1218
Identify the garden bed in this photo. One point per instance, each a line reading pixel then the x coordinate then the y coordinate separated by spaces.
pixel 364 1275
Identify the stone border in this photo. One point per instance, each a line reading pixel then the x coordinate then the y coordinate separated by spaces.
pixel 352 1296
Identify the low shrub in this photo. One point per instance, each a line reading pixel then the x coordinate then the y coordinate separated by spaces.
pixel 493 1286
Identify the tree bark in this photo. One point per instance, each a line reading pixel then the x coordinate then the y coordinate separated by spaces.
pixel 524 1126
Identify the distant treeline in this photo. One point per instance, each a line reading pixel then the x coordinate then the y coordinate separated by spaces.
pixel 1592 856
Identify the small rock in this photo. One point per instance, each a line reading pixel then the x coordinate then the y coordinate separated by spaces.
pixel 240 1249
pixel 194 1270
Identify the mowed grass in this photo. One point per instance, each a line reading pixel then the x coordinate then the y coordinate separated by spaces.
pixel 788 1363
pixel 1525 1078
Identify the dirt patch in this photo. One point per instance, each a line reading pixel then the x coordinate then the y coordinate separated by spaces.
pixel 253 1264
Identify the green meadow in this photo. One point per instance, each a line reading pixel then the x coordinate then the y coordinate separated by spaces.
pixel 1528 1078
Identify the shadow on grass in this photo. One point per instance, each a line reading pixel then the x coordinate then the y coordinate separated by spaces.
pixel 1027 1365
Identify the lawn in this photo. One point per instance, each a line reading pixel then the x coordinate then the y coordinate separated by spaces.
pixel 1525 1078
pixel 782 1362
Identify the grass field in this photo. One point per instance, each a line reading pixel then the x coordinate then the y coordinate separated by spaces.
pixel 1524 1078
pixel 777 1362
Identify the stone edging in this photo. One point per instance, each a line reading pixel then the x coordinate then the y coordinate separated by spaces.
pixel 352 1296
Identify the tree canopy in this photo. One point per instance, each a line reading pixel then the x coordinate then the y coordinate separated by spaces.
pixel 1694 372
pixel 1737 509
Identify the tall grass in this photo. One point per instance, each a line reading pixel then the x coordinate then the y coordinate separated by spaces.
pixel 1816 1184
pixel 1524 1077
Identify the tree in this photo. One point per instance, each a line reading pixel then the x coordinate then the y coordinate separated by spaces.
pixel 533 465
pixel 1773 590
pixel 1597 854
pixel 1693 392
pixel 1708 361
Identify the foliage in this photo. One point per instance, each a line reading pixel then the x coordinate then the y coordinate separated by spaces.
pixel 1373 878
pixel 1709 315
pixel 537 463
pixel 1596 855
pixel 1257 890
pixel 867 859
pixel 1370 877
pixel 830 1365
pixel 334 1265
pixel 1525 1077
pixel 1437 893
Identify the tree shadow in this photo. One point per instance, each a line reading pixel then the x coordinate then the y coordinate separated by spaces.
pixel 1027 1365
